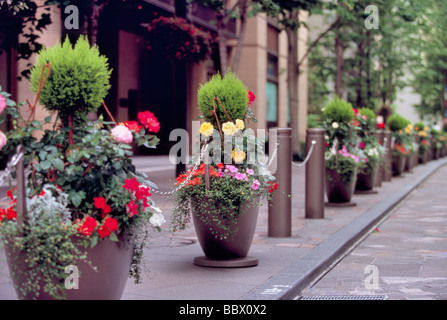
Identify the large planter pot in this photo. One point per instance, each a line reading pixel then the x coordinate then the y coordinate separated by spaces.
pixel 398 164
pixel 235 247
pixel 112 261
pixel 366 179
pixel 337 190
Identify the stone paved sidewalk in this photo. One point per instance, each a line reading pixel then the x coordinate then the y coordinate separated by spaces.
pixel 408 252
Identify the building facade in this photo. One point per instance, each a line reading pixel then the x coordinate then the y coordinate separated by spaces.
pixel 141 82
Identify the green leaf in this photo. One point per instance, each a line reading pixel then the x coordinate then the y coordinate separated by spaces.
pixel 113 237
pixel 58 164
pixel 76 197
pixel 45 165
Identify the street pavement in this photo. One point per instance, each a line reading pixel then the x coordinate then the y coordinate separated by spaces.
pixel 407 253
pixel 287 266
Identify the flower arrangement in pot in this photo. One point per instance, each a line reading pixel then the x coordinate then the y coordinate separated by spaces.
pixel 371 152
pixel 342 156
pixel 401 142
pixel 87 208
pixel 424 143
pixel 223 199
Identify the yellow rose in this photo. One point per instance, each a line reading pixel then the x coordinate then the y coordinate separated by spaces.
pixel 238 156
pixel 229 128
pixel 240 124
pixel 206 129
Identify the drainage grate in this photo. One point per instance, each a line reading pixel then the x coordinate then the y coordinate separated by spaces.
pixel 353 297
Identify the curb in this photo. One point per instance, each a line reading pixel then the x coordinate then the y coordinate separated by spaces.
pixel 288 283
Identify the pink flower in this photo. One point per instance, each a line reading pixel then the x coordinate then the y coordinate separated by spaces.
pixel 255 185
pixel 250 171
pixel 362 145
pixel 122 134
pixel 2 103
pixel 3 139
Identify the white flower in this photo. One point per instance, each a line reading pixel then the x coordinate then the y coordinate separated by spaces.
pixel 157 219
pixel 335 125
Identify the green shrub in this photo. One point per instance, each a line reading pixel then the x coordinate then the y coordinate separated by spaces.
pixel 419 126
pixel 397 122
pixel 339 111
pixel 313 120
pixel 79 78
pixel 231 92
pixel 368 113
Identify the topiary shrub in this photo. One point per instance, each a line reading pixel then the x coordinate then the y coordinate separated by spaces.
pixel 230 91
pixel 78 81
pixel 339 111
pixel 397 122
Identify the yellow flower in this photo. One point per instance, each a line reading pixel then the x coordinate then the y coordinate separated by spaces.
pixel 238 156
pixel 240 124
pixel 229 128
pixel 206 129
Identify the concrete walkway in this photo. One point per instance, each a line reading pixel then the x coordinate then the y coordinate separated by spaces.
pixel 286 265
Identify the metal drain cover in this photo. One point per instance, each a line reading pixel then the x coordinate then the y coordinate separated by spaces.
pixel 346 297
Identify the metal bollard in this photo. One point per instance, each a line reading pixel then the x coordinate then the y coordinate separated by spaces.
pixel 379 134
pixel 280 207
pixel 315 174
pixel 386 169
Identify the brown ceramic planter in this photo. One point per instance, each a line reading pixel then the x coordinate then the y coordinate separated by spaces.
pixel 236 247
pixel 398 164
pixel 112 261
pixel 337 191
pixel 367 180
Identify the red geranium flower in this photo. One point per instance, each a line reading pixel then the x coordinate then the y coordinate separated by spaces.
pixel 131 125
pixel 109 225
pixel 87 226
pixel 100 203
pixel 149 121
pixel 131 184
pixel 251 97
pixel 132 209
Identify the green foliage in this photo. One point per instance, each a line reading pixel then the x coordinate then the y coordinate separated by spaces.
pixel 78 82
pixel 231 92
pixel 397 122
pixel 339 110
pixel 40 266
pixel 419 126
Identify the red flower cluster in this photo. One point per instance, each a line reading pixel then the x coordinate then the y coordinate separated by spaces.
pixel 141 193
pixel 109 225
pixel 9 213
pixel 272 186
pixel 100 203
pixel 400 148
pixel 149 121
pixel 200 172
pixel 89 225
pixel 251 97
pixel 381 125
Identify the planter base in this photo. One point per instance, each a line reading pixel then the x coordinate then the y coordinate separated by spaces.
pixel 365 192
pixel 340 204
pixel 227 263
